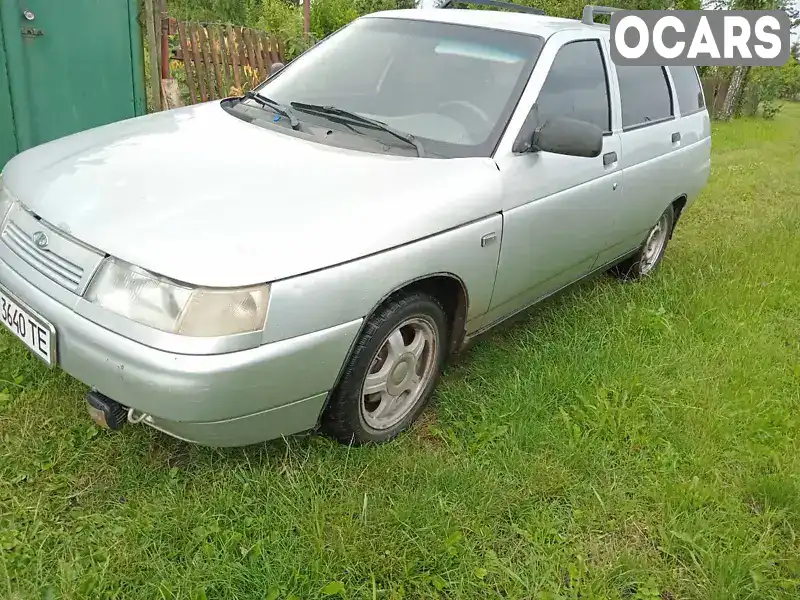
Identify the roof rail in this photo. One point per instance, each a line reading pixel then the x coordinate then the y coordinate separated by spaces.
pixel 509 5
pixel 590 11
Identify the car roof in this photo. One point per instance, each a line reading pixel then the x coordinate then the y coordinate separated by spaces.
pixel 516 22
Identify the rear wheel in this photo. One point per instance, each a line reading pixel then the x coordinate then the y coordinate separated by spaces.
pixel 650 254
pixel 392 372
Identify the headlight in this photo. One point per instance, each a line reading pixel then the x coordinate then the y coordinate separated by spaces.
pixel 169 306
pixel 5 201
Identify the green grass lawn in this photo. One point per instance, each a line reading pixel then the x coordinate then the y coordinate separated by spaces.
pixel 634 441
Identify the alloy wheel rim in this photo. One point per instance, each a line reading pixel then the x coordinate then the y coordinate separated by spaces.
pixel 656 240
pixel 399 373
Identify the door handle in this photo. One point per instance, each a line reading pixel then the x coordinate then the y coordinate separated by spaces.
pixel 676 137
pixel 609 158
pixel 489 238
pixel 31 32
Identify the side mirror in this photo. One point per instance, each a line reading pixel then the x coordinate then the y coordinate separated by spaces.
pixel 569 136
pixel 562 136
pixel 275 68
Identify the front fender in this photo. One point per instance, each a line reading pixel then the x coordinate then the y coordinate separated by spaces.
pixel 340 294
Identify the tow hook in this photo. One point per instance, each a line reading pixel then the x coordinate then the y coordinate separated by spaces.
pixel 135 419
pixel 107 413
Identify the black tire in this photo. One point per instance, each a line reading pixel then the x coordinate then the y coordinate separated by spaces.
pixel 634 268
pixel 343 417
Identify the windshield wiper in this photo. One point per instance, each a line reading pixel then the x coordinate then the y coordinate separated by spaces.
pixel 332 111
pixel 276 106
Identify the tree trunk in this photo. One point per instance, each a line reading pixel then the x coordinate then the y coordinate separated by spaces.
pixel 735 91
pixel 743 96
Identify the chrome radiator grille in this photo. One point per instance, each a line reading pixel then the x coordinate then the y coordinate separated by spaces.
pixel 56 256
pixel 55 267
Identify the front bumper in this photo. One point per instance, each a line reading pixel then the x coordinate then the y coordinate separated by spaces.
pixel 221 400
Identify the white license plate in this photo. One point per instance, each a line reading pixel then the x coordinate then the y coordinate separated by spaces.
pixel 35 332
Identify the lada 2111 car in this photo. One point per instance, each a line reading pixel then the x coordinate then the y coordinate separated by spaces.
pixel 317 248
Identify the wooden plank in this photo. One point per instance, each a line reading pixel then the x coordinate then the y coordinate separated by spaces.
pixel 265 47
pixel 194 37
pixel 274 51
pixel 252 50
pixel 152 46
pixel 207 63
pixel 171 92
pixel 157 28
pixel 187 61
pixel 243 49
pixel 243 58
pixel 242 55
pixel 214 49
pixel 268 58
pixel 256 40
pixel 234 52
pixel 251 55
pixel 266 42
pixel 162 29
pixel 223 55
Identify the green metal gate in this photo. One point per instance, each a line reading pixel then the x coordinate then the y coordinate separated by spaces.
pixel 66 66
pixel 8 134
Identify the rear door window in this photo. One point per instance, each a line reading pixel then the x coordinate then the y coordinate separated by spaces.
pixel 687 88
pixel 576 86
pixel 645 96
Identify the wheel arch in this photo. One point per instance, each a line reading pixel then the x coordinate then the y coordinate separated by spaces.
pixel 447 287
pixel 677 208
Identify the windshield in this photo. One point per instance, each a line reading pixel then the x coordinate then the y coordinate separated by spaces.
pixel 452 86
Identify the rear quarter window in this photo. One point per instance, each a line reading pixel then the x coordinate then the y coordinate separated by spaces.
pixel 687 88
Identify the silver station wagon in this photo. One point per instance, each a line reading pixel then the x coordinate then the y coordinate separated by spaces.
pixel 310 254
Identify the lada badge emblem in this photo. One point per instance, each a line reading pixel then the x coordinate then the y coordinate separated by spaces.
pixel 40 239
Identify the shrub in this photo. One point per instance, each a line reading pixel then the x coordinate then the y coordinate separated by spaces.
pixel 239 12
pixel 767 85
pixel 284 21
pixel 789 85
pixel 329 15
pixel 770 108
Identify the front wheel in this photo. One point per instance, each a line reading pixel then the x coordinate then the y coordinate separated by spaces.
pixel 392 372
pixel 651 252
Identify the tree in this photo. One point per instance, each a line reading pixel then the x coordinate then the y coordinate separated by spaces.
pixel 574 8
pixel 740 74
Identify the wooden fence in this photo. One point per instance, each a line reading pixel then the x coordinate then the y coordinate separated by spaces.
pixel 206 61
pixel 223 60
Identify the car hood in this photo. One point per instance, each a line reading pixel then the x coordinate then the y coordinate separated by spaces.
pixel 200 196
